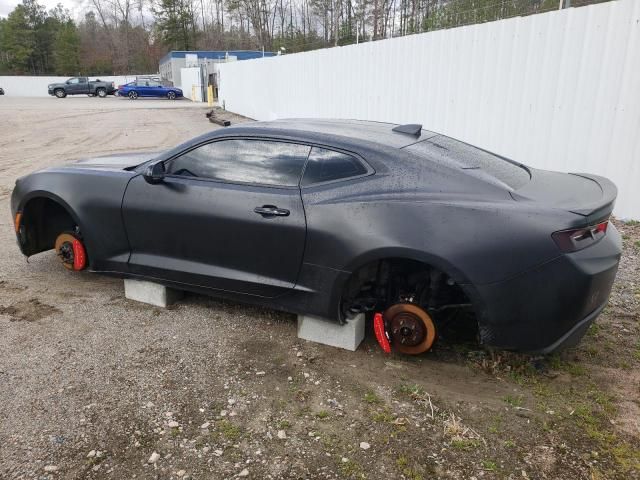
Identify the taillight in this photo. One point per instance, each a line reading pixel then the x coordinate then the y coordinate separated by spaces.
pixel 579 238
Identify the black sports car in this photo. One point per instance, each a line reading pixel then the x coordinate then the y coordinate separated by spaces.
pixel 334 218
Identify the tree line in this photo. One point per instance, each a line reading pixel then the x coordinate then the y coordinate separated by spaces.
pixel 130 36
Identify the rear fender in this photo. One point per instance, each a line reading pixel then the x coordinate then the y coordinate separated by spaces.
pixel 407 254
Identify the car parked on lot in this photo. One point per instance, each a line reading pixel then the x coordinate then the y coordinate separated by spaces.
pixel 1 91
pixel 146 87
pixel 81 86
pixel 335 218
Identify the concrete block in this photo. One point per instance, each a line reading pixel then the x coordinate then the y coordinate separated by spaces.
pixel 331 333
pixel 151 293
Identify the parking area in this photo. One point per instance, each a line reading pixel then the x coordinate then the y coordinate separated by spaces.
pixel 95 386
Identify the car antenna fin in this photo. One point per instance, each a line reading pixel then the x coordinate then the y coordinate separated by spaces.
pixel 409 128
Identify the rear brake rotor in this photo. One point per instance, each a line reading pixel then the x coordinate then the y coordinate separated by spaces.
pixel 411 329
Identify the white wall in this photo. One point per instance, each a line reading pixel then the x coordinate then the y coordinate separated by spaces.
pixel 189 78
pixel 29 86
pixel 559 90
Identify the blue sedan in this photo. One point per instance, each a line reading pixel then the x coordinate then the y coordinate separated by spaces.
pixel 148 88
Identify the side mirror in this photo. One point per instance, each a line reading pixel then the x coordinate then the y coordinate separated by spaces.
pixel 154 173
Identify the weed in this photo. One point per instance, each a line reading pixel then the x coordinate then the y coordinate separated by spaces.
pixel 228 430
pixel 411 390
pixel 372 398
pixel 514 401
pixel 574 369
pixel 382 416
pixel 352 469
pixel 464 444
pixel 283 424
pixel 489 465
pixel 322 414
pixel 403 465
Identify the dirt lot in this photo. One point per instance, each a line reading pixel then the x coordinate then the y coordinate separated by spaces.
pixel 93 386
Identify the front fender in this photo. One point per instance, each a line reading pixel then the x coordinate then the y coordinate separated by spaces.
pixel 93 199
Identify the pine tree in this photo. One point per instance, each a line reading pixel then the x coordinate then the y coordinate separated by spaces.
pixel 18 41
pixel 67 50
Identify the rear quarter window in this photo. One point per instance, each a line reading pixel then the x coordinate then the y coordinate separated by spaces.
pixel 457 154
pixel 327 165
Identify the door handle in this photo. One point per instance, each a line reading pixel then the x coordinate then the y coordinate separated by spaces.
pixel 271 211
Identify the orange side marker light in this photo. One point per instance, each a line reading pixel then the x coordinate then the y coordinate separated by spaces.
pixel 17 221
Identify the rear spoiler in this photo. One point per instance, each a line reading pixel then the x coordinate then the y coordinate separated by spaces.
pixel 601 209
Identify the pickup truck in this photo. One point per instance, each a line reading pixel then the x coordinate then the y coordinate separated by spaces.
pixel 81 86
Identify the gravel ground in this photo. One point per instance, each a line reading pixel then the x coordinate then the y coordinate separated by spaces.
pixel 94 386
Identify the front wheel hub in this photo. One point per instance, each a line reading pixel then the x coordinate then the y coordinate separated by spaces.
pixel 411 329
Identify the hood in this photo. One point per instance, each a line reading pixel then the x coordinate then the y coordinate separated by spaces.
pixel 120 161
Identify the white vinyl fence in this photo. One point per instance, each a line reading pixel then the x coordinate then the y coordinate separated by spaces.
pixel 558 90
pixel 32 86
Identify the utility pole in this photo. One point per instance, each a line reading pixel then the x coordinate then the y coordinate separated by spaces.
pixel 564 4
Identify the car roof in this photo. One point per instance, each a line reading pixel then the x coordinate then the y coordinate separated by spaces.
pixel 349 131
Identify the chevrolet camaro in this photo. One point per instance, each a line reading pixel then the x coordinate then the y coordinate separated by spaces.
pixel 335 218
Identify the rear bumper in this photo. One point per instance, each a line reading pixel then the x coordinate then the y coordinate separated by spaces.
pixel 550 307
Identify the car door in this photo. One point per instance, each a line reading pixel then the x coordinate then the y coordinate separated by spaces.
pixel 141 88
pixel 228 215
pixel 73 86
pixel 83 85
pixel 155 89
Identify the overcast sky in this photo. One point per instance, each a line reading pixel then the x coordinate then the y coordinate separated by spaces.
pixel 76 7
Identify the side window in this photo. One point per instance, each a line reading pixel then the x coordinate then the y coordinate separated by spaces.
pixel 246 161
pixel 325 165
pixel 73 81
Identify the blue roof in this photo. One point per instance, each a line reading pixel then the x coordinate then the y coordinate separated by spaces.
pixel 218 54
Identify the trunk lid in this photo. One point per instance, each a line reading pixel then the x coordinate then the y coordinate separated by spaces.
pixel 590 196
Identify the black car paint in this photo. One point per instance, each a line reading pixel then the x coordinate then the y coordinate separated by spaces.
pixel 204 236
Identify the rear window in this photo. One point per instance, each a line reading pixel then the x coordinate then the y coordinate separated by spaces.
pixel 461 155
pixel 326 165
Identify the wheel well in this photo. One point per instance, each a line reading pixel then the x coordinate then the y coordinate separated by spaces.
pixel 381 283
pixel 43 219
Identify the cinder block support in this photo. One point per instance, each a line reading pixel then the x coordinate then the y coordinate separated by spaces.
pixel 151 293
pixel 331 333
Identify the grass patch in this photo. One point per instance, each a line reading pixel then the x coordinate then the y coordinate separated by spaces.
pixel 464 444
pixel 382 416
pixel 574 369
pixel 411 390
pixel 594 329
pixel 283 424
pixel 352 469
pixel 489 465
pixel 513 400
pixel 403 466
pixel 372 399
pixel 322 414
pixel 228 430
